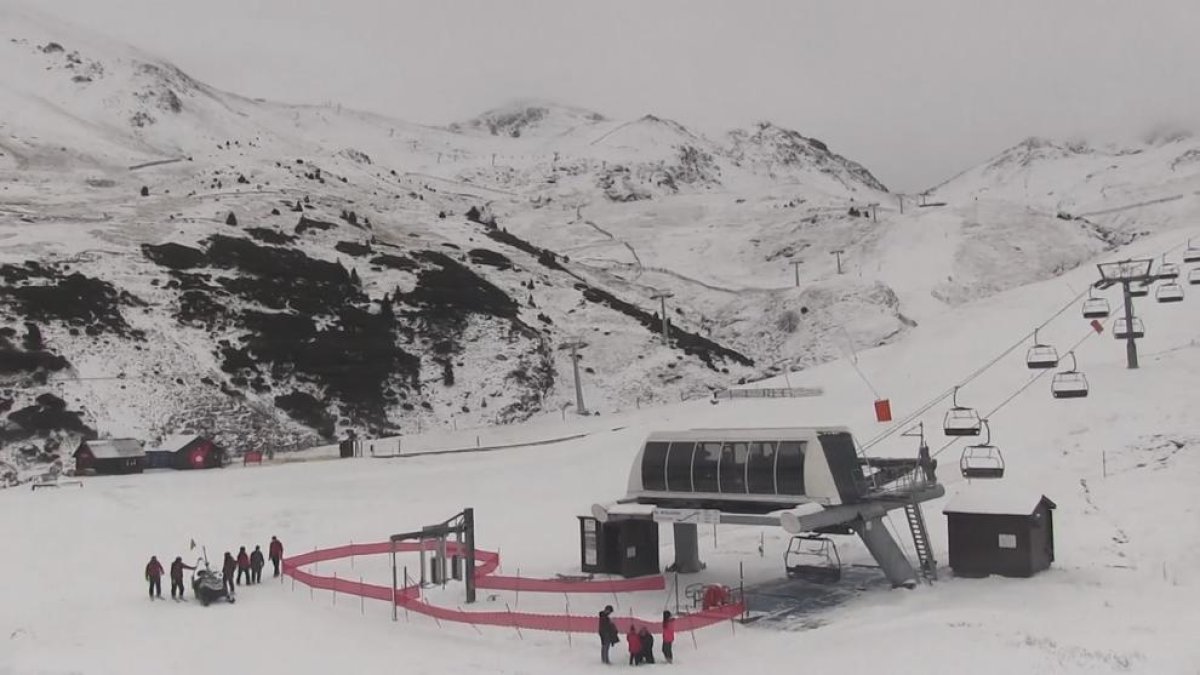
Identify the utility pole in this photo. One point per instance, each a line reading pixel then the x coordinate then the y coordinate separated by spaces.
pixel 1127 273
pixel 900 198
pixel 839 253
pixel 575 344
pixel 796 265
pixel 874 206
pixel 662 297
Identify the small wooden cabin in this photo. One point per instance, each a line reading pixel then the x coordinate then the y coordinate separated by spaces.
pixel 188 451
pixel 110 456
pixel 996 530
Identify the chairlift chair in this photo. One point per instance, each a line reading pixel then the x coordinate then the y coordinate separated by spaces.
pixel 813 558
pixel 1095 308
pixel 1121 328
pixel 960 420
pixel 1167 271
pixel 1069 383
pixel 1169 292
pixel 1192 254
pixel 982 460
pixel 1194 276
pixel 1041 356
pixel 1139 289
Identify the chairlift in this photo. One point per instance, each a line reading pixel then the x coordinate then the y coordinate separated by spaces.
pixel 1194 276
pixel 1192 254
pixel 982 460
pixel 960 420
pixel 1096 308
pixel 1167 271
pixel 1121 328
pixel 1139 289
pixel 813 558
pixel 1041 356
pixel 1069 383
pixel 1169 292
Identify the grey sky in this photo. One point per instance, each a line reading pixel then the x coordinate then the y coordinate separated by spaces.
pixel 915 89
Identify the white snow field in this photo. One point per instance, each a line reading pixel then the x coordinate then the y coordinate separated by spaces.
pixel 1122 595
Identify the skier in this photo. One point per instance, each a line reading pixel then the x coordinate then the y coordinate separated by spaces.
pixel 243 566
pixel 256 565
pixel 154 572
pixel 227 568
pixel 634 641
pixel 668 636
pixel 647 644
pixel 608 633
pixel 275 552
pixel 177 569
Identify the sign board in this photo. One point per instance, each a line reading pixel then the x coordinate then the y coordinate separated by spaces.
pixel 705 516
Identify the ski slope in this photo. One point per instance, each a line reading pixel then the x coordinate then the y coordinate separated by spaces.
pixel 1122 595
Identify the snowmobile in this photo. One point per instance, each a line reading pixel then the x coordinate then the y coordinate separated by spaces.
pixel 208 586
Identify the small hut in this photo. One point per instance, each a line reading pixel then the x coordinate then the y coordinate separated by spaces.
pixel 110 456
pixel 188 451
pixel 995 530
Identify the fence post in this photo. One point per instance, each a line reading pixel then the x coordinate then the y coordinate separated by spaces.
pixel 362 599
pixel 567 611
pixel 335 583
pixel 517 602
pixel 351 554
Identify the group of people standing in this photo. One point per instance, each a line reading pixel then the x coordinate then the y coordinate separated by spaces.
pixel 246 566
pixel 639 640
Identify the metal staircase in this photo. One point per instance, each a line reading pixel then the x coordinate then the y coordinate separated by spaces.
pixel 920 535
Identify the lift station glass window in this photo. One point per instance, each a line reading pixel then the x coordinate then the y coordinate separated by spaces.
pixel 679 466
pixel 789 468
pixel 760 468
pixel 705 477
pixel 733 467
pixel 654 466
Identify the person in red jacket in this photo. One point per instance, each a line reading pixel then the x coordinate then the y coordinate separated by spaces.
pixel 275 553
pixel 177 569
pixel 227 568
pixel 154 572
pixel 668 635
pixel 634 642
pixel 243 565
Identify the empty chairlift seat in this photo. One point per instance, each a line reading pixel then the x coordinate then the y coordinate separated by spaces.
pixel 1041 356
pixel 1122 328
pixel 1194 276
pixel 983 460
pixel 1168 271
pixel 1096 308
pixel 1169 292
pixel 1139 289
pixel 813 558
pixel 1069 383
pixel 961 420
pixel 1192 254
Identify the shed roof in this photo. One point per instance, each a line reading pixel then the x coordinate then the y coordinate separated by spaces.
pixel 996 500
pixel 115 448
pixel 177 442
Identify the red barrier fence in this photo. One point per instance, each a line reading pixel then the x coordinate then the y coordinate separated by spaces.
pixel 487 562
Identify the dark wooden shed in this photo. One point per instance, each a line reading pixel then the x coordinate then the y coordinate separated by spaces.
pixel 110 456
pixel 189 451
pixel 995 530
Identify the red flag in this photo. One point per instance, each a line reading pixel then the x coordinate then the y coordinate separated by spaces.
pixel 1097 326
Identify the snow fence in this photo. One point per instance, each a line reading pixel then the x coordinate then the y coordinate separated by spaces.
pixel 487 562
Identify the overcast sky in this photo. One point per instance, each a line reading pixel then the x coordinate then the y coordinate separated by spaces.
pixel 914 89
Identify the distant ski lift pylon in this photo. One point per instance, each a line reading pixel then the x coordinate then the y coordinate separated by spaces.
pixel 961 420
pixel 982 460
pixel 1121 328
pixel 1192 254
pixel 1069 383
pixel 1095 308
pixel 1169 292
pixel 1041 356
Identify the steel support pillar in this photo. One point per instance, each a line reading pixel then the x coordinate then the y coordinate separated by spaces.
pixel 886 552
pixel 687 548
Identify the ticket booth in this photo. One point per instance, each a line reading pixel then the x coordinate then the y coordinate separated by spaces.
pixel 625 547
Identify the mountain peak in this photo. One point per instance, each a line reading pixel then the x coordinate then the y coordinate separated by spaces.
pixel 529 117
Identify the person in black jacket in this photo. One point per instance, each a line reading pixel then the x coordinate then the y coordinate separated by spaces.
pixel 256 564
pixel 647 645
pixel 228 567
pixel 608 633
pixel 177 568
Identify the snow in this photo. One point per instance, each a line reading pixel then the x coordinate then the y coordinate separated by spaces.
pixel 176 442
pixel 116 448
pixel 994 499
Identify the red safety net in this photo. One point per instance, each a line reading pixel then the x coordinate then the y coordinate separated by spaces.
pixel 487 562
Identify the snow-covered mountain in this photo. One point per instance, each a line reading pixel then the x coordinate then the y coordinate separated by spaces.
pixel 176 257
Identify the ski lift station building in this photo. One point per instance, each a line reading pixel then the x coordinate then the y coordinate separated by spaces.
pixel 805 479
pixel 999 531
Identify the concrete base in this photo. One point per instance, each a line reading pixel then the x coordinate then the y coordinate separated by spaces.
pixel 887 553
pixel 687 548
